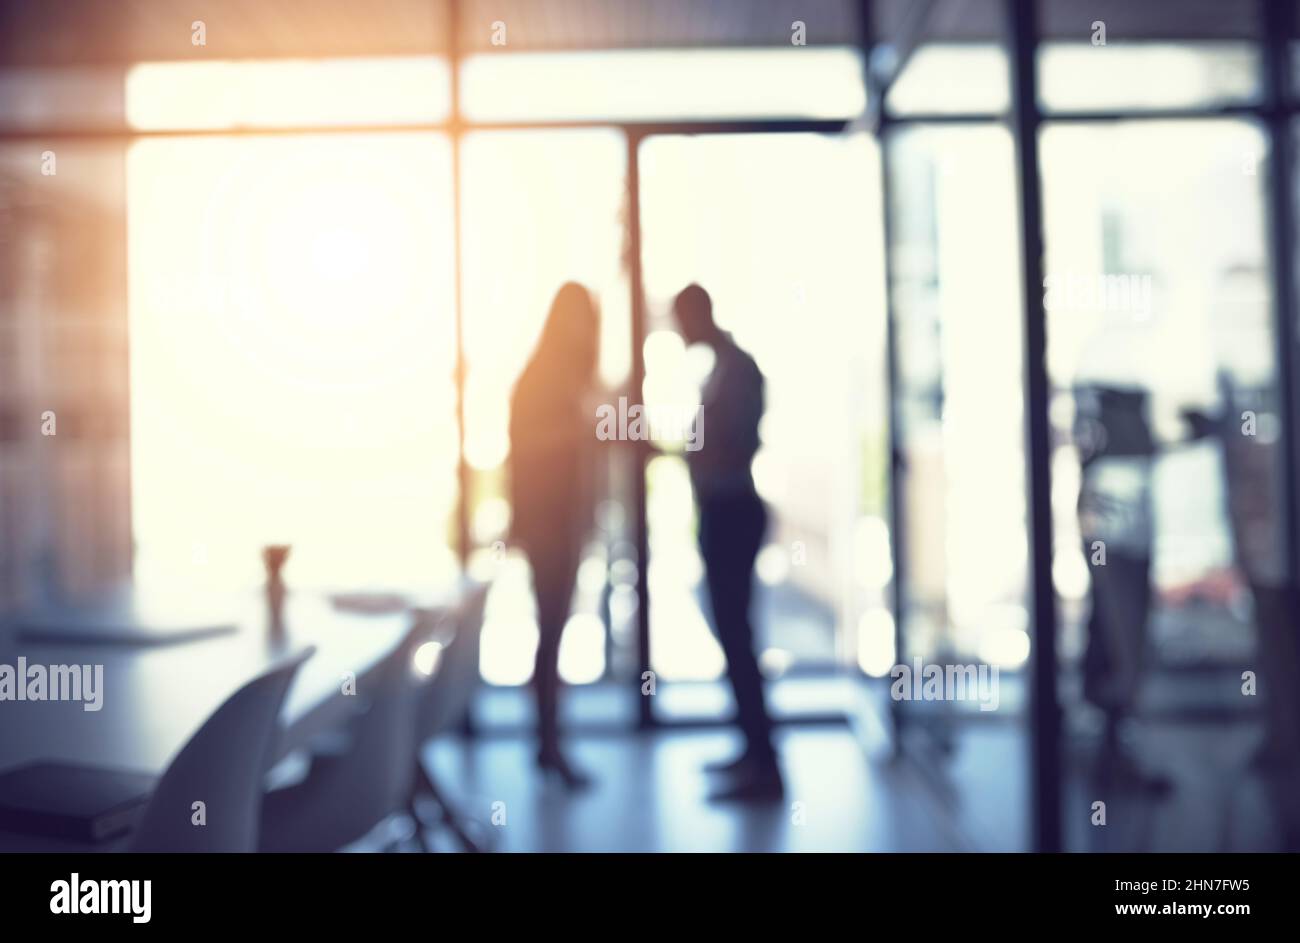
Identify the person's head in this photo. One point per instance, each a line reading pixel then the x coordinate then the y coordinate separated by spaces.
pixel 570 338
pixel 693 310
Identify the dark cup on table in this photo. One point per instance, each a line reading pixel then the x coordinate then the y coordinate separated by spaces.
pixel 274 557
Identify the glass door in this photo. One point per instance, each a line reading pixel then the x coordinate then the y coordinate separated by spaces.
pixel 782 231
pixel 1167 469
pixel 965 634
pixel 541 208
pixel 292 358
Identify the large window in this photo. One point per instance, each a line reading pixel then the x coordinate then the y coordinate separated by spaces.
pixel 946 57
pixel 292 323
pixel 294 332
pixel 217 94
pixel 961 429
pixel 1167 499
pixel 672 85
pixel 959 404
pixel 776 228
pixel 1158 54
pixel 542 208
pixel 293 356
pixel 1165 442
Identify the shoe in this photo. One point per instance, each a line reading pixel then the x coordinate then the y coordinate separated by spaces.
pixel 1122 769
pixel 729 766
pixel 755 784
pixel 555 765
pixel 1271 757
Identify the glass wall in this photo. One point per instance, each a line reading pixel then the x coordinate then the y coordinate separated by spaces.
pixel 1165 413
pixel 1159 54
pixel 1166 497
pixel 1176 631
pixel 292 358
pixel 776 228
pixel 961 473
pixel 961 404
pixel 946 57
pixel 277 352
pixel 314 422
pixel 667 85
pixel 292 323
pixel 542 208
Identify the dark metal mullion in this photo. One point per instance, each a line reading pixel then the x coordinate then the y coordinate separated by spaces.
pixel 645 705
pixel 644 129
pixel 897 469
pixel 641 129
pixel 453 125
pixel 469 725
pixel 885 119
pixel 1154 114
pixel 455 133
pixel 1085 117
pixel 897 537
pixel 1045 710
pixel 1278 24
pixel 129 135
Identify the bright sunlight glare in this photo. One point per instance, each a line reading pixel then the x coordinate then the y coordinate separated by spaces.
pixel 292 356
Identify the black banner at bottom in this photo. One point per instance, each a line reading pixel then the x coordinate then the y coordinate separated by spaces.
pixel 342 892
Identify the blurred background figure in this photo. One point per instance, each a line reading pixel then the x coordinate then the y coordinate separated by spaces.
pixel 1116 449
pixel 1253 500
pixel 551 454
pixel 732 523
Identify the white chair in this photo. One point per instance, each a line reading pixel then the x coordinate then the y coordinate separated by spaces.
pixel 221 766
pixel 444 704
pixel 352 786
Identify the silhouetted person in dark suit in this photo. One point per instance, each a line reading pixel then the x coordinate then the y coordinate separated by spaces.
pixel 732 524
pixel 551 451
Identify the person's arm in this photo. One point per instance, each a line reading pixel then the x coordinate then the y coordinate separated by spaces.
pixel 1200 425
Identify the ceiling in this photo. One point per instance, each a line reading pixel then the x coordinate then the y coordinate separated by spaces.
pixel 60 32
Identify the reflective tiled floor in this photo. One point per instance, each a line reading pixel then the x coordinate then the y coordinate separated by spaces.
pixel 651 795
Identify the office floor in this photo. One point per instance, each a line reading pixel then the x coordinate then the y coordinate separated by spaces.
pixel 1217 800
pixel 651 795
pixel 651 792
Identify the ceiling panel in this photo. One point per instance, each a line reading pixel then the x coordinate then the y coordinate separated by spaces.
pixel 53 32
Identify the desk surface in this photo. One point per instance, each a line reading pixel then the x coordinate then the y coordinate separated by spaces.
pixel 155 698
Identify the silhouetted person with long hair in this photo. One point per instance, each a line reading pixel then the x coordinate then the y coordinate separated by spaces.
pixel 733 521
pixel 551 451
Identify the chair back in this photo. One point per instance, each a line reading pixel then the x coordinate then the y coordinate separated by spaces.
pixel 446 700
pixel 222 767
pixel 381 761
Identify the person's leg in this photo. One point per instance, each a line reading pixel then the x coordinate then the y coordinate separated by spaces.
pixel 733 535
pixel 1122 605
pixel 1096 662
pixel 1279 658
pixel 554 573
pixel 1127 613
